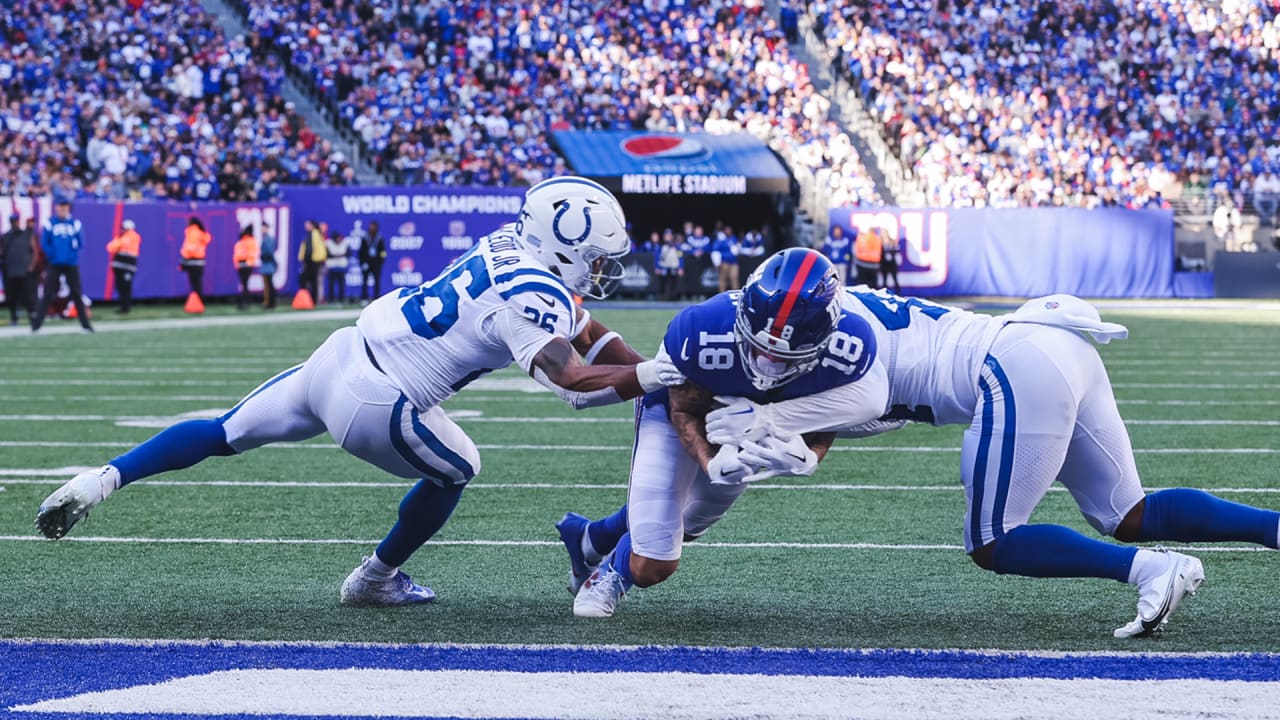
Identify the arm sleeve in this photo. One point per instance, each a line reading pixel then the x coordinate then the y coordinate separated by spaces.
pixel 844 406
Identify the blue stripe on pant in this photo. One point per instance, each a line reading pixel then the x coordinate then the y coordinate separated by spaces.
pixel 423 433
pixel 1001 395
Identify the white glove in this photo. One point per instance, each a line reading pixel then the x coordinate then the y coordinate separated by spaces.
pixel 659 372
pixel 780 457
pixel 726 469
pixel 740 419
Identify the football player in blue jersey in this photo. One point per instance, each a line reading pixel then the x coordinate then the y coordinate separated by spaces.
pixel 783 336
pixel 1040 409
pixel 377 387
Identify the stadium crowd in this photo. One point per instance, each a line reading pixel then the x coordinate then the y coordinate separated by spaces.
pixel 149 100
pixel 468 92
pixel 1087 103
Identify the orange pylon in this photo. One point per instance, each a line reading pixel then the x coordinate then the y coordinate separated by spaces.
pixel 194 304
pixel 302 300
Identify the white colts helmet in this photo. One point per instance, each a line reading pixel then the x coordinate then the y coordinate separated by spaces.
pixel 577 229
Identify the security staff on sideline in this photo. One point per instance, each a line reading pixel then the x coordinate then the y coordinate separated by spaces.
pixel 245 254
pixel 195 241
pixel 867 251
pixel 61 239
pixel 123 249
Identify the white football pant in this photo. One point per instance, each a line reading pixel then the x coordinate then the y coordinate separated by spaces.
pixel 669 494
pixel 338 389
pixel 1045 411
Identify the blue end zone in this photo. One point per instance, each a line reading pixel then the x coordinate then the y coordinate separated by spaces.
pixel 31 671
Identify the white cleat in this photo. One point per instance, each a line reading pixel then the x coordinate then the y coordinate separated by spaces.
pixel 360 590
pixel 600 594
pixel 68 504
pixel 1160 596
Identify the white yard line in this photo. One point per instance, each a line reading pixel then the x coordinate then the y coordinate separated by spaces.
pixel 628 448
pixel 125 540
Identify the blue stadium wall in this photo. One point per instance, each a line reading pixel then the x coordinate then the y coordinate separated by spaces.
pixel 1111 253
pixel 1103 253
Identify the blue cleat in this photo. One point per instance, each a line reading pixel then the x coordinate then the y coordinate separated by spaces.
pixel 360 590
pixel 571 528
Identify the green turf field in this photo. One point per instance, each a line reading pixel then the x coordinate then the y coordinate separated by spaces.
pixel 254 547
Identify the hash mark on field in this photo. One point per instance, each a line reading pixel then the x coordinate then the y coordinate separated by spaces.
pixel 542 543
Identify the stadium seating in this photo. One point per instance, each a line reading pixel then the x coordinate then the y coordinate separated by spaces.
pixel 1086 103
pixel 148 99
pixel 466 93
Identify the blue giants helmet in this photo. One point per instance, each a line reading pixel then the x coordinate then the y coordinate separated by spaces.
pixel 786 314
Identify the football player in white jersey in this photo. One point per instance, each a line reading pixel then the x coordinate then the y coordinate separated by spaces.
pixel 377 387
pixel 1039 406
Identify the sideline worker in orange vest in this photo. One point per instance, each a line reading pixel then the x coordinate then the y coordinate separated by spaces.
pixel 245 256
pixel 123 249
pixel 194 242
pixel 866 257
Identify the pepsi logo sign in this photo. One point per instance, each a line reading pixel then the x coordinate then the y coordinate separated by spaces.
pixel 665 147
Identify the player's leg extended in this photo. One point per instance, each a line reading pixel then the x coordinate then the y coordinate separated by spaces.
pixel 1049 375
pixel 385 430
pixel 1010 456
pixel 1178 514
pixel 662 474
pixel 588 541
pixel 276 410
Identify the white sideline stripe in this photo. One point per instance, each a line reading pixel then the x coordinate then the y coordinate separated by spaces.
pixel 473 416
pixel 628 448
pixel 124 540
pixel 677 695
pixel 58 477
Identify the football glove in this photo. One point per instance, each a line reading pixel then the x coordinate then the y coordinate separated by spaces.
pixel 870 429
pixel 659 372
pixel 739 419
pixel 726 469
pixel 779 457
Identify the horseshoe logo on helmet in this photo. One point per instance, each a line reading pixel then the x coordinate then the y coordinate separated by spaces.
pixel 555 225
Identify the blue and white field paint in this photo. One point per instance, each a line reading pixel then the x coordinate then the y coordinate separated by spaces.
pixel 116 679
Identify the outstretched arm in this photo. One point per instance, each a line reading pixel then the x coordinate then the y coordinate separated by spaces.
pixel 598 345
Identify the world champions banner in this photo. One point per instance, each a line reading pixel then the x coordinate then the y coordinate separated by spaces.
pixel 424 228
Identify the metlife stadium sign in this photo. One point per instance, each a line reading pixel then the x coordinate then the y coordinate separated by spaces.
pixel 646 163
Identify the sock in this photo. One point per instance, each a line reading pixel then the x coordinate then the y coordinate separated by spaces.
pixel 589 552
pixel 607 531
pixel 1188 515
pixel 620 559
pixel 379 570
pixel 423 511
pixel 176 447
pixel 1056 551
pixel 1147 564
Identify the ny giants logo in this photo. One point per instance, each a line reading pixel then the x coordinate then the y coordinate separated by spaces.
pixel 922 240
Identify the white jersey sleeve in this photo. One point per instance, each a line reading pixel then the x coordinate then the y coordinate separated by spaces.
pixel 520 335
pixel 836 409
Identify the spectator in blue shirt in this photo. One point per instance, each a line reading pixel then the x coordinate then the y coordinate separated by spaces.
pixel 724 255
pixel 61 240
pixel 836 248
pixel 697 243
